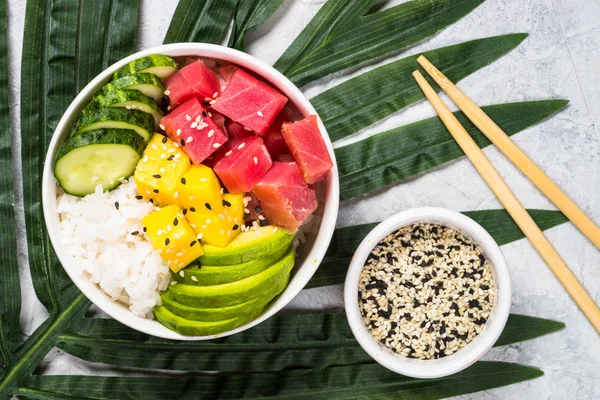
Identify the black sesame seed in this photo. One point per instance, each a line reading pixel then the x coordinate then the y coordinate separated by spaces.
pixel 423 324
pixel 258 209
pixel 192 209
pixel 226 203
pixel 204 114
pixel 155 190
pixel 167 241
pixel 183 181
pixel 175 222
pixel 207 205
pixel 193 243
pixel 263 222
pixel 117 205
pixel 184 211
pixel 484 287
pixel 170 158
pixel 139 197
pixel 206 104
pixel 164 139
pixel 235 227
pixel 182 143
pixel 135 233
pixel 144 229
pixel 157 176
pixel 151 201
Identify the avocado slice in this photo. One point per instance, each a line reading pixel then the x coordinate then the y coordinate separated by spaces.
pixel 230 294
pixel 200 328
pixel 208 275
pixel 223 313
pixel 246 247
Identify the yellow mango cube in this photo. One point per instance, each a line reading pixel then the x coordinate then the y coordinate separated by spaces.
pixel 160 170
pixel 200 188
pixel 218 229
pixel 173 237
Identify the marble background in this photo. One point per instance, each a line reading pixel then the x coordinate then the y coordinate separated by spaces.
pixel 560 59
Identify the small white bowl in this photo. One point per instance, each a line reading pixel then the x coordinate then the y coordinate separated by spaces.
pixel 466 356
pixel 311 253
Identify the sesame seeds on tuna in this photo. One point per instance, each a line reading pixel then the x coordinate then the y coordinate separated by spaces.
pixel 426 291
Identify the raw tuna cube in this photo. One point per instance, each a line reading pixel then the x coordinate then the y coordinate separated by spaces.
pixel 236 131
pixel 285 198
pixel 274 140
pixel 242 163
pixel 191 127
pixel 227 72
pixel 193 80
pixel 250 102
pixel 218 119
pixel 308 148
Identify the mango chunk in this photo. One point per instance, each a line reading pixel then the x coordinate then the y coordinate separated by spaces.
pixel 199 187
pixel 218 228
pixel 173 237
pixel 160 169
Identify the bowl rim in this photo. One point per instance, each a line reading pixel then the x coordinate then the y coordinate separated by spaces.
pixel 466 356
pixel 92 291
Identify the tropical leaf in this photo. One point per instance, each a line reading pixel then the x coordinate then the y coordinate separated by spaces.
pixel 249 14
pixel 99 19
pixel 10 298
pixel 282 342
pixel 400 153
pixel 361 101
pixel 200 21
pixel 343 34
pixel 360 381
pixel 345 240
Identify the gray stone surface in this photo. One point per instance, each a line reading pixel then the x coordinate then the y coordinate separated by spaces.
pixel 560 59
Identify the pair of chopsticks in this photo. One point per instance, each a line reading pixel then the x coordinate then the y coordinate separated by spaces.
pixel 508 199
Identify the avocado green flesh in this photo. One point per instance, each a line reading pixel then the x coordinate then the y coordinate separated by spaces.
pixel 230 294
pixel 218 314
pixel 219 274
pixel 200 328
pixel 247 246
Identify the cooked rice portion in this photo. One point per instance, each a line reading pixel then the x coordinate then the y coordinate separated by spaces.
pixel 103 233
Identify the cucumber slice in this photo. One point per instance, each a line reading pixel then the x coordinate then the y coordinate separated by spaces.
pixel 100 157
pixel 123 98
pixel 116 118
pixel 157 64
pixel 149 84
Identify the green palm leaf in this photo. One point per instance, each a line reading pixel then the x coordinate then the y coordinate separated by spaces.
pixel 361 101
pixel 250 14
pixel 359 381
pixel 280 343
pixel 200 21
pixel 342 36
pixel 345 240
pixel 66 44
pixel 400 153
pixel 10 300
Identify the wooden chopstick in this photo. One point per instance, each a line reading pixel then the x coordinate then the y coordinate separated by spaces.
pixel 512 205
pixel 514 153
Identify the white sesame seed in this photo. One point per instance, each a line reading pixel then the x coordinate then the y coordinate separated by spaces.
pixel 216 145
pixel 189 139
pixel 187 117
pixel 260 114
pixel 211 133
pixel 215 95
pixel 161 126
pixel 255 160
pixel 241 146
pixel 228 153
pixel 193 125
pixel 194 278
pixel 212 102
pixel 178 132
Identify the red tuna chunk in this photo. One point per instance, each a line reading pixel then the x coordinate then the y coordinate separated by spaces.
pixel 242 163
pixel 193 80
pixel 236 131
pixel 308 148
pixel 191 127
pixel 285 198
pixel 250 102
pixel 274 140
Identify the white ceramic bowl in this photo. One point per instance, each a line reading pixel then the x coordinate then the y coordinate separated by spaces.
pixel 470 353
pixel 310 253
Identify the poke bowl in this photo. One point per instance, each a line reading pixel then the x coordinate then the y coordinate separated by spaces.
pixel 190 191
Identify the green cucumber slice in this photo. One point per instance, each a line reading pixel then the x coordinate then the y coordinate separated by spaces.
pixel 124 98
pixel 116 118
pixel 148 84
pixel 100 157
pixel 157 64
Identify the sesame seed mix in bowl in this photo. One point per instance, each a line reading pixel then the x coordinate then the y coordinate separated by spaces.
pixel 426 291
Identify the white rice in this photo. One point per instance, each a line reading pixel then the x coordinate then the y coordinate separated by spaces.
pixel 98 236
